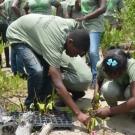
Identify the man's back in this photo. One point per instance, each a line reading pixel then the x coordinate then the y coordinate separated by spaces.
pixel 45 34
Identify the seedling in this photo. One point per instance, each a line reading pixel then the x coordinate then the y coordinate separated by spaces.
pixel 46 105
pixel 94 120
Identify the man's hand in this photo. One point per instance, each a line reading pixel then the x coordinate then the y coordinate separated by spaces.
pixel 102 112
pixel 62 91
pixel 83 118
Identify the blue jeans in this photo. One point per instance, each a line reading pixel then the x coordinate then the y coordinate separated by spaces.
pixel 16 63
pixel 94 52
pixel 39 83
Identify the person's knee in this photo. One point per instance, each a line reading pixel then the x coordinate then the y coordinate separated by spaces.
pixel 127 93
pixel 94 53
pixel 38 72
pixel 109 89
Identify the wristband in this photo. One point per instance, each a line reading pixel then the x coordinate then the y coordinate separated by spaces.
pixel 6 18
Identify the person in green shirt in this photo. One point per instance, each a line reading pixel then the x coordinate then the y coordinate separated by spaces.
pixel 9 7
pixel 118 68
pixel 41 7
pixel 76 75
pixel 13 11
pixel 3 28
pixel 112 7
pixel 63 8
pixel 39 41
pixel 68 9
pixel 92 21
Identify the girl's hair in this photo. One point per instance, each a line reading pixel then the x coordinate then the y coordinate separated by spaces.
pixel 115 61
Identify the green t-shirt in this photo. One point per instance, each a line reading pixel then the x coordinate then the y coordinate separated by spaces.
pixel 71 6
pixel 46 34
pixel 124 79
pixel 77 75
pixel 112 7
pixel 92 25
pixel 7 6
pixel 40 6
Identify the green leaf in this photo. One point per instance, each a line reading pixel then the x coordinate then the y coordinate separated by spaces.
pixel 96 122
pixel 99 119
pixel 41 106
pixel 32 106
pixel 97 96
pixel 93 124
pixel 48 96
pixel 88 126
pixel 107 118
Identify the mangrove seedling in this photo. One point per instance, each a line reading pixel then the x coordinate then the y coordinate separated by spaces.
pixel 94 121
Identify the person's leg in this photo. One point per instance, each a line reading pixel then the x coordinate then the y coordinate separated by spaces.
pixel 0 54
pixel 13 62
pixel 34 70
pixel 112 93
pixel 77 94
pixel 94 52
pixel 47 85
pixel 20 66
pixel 0 61
pixel 6 49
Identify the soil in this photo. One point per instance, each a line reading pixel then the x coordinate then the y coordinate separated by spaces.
pixel 122 124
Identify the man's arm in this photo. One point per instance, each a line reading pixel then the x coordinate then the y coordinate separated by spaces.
pixel 15 8
pixel 25 8
pixel 58 8
pixel 1 8
pixel 62 91
pixel 77 6
pixel 2 15
pixel 68 14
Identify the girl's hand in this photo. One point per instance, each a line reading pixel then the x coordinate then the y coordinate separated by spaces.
pixel 102 112
pixel 79 19
pixel 85 18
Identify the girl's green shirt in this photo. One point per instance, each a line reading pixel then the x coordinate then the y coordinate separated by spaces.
pixel 7 6
pixel 71 6
pixel 92 25
pixel 40 6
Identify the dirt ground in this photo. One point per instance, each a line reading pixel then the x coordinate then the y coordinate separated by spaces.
pixel 122 124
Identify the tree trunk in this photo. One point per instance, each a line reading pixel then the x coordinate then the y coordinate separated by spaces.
pixel 26 124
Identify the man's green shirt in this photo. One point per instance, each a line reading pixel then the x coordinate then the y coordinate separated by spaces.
pixel 46 35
